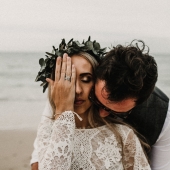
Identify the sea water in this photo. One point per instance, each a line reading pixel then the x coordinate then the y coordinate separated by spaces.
pixel 21 98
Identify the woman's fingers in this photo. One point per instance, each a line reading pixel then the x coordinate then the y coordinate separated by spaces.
pixel 73 74
pixel 51 82
pixel 63 67
pixel 58 69
pixel 68 69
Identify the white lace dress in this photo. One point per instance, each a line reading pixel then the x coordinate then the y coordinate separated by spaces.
pixel 63 147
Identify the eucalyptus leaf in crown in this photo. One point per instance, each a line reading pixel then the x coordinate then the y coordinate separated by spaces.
pixel 72 47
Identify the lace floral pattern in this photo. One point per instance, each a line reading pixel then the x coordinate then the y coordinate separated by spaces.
pixel 109 152
pixel 63 147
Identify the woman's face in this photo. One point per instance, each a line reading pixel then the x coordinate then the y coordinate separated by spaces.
pixel 84 83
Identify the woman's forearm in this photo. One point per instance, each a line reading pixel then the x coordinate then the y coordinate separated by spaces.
pixel 55 142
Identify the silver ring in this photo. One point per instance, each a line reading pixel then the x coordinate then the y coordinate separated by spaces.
pixel 67 78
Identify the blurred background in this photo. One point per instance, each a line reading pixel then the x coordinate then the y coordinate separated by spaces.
pixel 30 28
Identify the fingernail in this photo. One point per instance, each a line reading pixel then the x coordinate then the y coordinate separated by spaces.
pixel 65 54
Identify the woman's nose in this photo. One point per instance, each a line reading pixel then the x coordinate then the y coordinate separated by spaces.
pixel 78 88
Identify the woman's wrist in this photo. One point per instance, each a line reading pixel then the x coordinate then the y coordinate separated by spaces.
pixel 57 114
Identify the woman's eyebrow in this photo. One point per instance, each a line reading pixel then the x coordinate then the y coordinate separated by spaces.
pixel 85 74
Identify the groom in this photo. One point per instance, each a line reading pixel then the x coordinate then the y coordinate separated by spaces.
pixel 125 86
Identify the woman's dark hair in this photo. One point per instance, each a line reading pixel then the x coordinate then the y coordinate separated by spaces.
pixel 128 72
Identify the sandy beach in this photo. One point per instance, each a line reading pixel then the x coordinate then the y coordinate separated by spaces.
pixel 18 126
pixel 16 148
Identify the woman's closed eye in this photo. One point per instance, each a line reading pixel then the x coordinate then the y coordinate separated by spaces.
pixel 87 79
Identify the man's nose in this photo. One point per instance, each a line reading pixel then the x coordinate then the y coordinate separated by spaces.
pixel 103 113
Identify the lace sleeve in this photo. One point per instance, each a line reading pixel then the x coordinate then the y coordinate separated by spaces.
pixel 55 142
pixel 133 155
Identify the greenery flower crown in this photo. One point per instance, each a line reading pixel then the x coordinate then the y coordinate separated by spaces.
pixel 72 47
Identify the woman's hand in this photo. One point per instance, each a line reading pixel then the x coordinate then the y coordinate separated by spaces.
pixel 63 88
pixel 34 166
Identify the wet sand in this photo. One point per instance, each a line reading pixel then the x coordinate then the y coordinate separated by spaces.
pixel 16 148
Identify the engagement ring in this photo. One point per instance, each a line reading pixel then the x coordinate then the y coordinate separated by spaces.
pixel 67 78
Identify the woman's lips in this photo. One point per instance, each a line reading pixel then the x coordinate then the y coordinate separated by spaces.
pixel 78 102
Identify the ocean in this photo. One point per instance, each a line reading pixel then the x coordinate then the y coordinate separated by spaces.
pixel 22 100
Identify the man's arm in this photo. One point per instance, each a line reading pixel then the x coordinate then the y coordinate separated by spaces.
pixel 160 152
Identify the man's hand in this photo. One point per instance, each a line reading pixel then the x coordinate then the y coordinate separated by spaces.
pixel 34 166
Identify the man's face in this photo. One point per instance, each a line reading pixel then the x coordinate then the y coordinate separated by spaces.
pixel 118 107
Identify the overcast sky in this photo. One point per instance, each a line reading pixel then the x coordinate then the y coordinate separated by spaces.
pixel 36 25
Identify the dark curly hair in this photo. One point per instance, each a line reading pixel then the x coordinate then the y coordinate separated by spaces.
pixel 129 72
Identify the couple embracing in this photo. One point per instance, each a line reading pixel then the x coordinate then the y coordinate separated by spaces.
pixel 103 111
